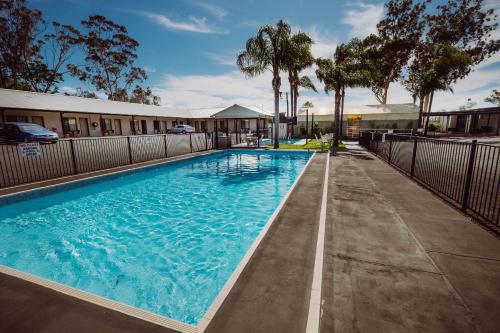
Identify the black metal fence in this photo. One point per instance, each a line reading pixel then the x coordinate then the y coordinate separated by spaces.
pixel 467 174
pixel 74 156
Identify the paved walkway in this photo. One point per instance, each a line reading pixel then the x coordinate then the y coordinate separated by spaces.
pixel 398 259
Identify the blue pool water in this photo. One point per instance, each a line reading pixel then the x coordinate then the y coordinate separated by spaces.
pixel 164 239
pixel 290 141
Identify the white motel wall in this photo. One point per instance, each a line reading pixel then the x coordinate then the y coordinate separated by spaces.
pixel 83 117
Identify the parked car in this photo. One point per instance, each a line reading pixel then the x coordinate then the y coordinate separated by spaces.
pixel 26 132
pixel 182 129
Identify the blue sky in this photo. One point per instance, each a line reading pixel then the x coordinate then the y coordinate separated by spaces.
pixel 188 47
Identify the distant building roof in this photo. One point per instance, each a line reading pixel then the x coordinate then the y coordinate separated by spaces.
pixel 239 111
pixel 365 109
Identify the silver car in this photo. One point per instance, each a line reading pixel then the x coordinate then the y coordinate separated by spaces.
pixel 182 129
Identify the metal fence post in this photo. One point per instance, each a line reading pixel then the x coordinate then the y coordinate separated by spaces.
pixel 468 179
pixel 390 148
pixel 190 143
pixel 206 141
pixel 165 143
pixel 414 157
pixel 71 145
pixel 129 150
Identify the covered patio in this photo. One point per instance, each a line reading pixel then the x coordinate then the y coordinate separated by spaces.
pixel 238 122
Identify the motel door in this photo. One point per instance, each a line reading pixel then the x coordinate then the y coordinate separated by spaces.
pixel 84 127
pixel 118 127
pixel 353 125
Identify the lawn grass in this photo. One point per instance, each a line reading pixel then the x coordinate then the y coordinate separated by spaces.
pixel 311 144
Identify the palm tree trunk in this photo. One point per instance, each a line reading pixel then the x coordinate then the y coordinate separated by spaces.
pixel 428 113
pixel 420 112
pixel 341 123
pixel 336 121
pixel 276 87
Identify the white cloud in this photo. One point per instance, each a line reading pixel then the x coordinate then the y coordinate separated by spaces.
pixel 214 10
pixel 205 91
pixel 226 59
pixel 362 18
pixel 194 24
pixel 324 44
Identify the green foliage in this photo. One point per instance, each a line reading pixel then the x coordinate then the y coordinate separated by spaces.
pixel 390 49
pixel 348 68
pixel 268 50
pixel 32 58
pixel 494 97
pixel 110 54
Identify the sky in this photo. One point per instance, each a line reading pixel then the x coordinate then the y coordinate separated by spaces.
pixel 188 48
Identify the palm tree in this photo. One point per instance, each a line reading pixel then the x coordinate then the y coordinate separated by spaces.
pixel 267 51
pixel 299 57
pixel 347 69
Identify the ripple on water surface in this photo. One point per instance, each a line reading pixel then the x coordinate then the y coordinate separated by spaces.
pixel 165 239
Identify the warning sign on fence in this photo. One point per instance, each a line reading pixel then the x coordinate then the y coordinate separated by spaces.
pixel 30 149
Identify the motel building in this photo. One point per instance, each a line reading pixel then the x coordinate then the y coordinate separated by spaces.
pixel 362 117
pixel 72 117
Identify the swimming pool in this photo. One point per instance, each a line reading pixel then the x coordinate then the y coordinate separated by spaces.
pixel 164 238
pixel 291 141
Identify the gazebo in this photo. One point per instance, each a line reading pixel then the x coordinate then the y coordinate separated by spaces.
pixel 238 119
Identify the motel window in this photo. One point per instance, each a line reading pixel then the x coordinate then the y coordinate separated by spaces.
pixel 37 120
pixel 222 124
pixel 22 119
pixel 163 126
pixel 203 125
pixel 69 125
pixel 174 123
pixel 144 127
pixel 106 125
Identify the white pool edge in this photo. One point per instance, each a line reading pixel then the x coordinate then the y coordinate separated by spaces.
pixel 314 313
pixel 143 314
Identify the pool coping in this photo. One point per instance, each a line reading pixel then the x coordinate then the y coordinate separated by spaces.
pixel 144 314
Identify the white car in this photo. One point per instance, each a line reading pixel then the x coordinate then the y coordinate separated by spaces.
pixel 182 129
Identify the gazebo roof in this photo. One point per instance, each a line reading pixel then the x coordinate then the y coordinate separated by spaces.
pixel 243 112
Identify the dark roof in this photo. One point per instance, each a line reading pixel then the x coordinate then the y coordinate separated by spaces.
pixel 495 109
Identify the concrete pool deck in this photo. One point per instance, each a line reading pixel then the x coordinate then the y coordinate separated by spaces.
pixel 397 258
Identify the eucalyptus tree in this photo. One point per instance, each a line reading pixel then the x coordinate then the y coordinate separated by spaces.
pixel 434 68
pixel 299 57
pixel 458 37
pixel 347 69
pixel 391 47
pixel 267 51
pixel 33 53
pixel 110 54
pixel 494 97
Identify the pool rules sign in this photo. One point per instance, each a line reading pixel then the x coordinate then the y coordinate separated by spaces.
pixel 30 149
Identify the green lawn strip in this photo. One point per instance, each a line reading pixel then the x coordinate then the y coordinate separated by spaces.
pixel 311 144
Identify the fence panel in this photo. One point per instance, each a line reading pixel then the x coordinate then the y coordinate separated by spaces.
pixel 401 152
pixel 466 174
pixel 199 141
pixel 177 144
pixel 147 147
pixel 93 154
pixel 54 161
pixel 484 196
